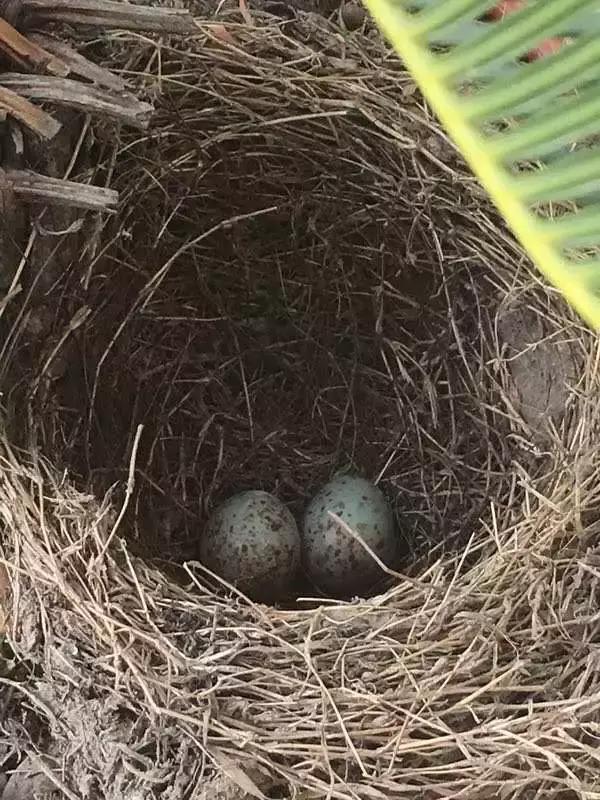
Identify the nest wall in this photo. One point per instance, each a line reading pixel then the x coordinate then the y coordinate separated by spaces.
pixel 291 287
pixel 302 277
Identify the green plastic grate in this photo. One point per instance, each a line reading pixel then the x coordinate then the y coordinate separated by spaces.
pixel 530 130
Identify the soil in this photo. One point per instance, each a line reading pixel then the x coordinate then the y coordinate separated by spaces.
pixel 542 370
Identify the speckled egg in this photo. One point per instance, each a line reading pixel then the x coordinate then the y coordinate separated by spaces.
pixel 252 542
pixel 332 559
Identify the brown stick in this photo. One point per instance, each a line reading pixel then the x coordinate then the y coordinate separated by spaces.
pixel 27 54
pixel 111 14
pixel 78 64
pixel 30 186
pixel 90 99
pixel 31 116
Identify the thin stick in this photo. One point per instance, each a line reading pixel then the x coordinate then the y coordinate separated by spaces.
pixel 384 567
pixel 128 493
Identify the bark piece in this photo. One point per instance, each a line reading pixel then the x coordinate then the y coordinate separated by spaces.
pixel 28 114
pixel 31 186
pixel 112 14
pixel 28 54
pixel 78 64
pixel 124 107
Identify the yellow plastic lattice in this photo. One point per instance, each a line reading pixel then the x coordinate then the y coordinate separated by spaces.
pixel 528 130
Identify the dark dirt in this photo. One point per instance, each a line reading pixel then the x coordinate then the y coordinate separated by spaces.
pixel 542 369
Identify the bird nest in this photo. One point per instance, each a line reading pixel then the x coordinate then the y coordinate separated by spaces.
pixel 302 277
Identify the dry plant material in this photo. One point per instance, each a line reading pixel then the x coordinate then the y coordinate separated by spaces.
pixel 29 115
pixel 32 187
pixel 31 779
pixel 245 12
pixel 300 277
pixel 27 54
pixel 12 230
pixel 340 340
pixel 123 107
pixel 4 600
pixel 79 65
pixel 112 14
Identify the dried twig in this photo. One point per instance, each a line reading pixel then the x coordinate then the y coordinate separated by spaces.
pixel 78 64
pixel 32 187
pixel 27 54
pixel 90 99
pixel 112 14
pixel 25 112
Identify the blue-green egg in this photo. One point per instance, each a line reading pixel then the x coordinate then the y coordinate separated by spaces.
pixel 252 542
pixel 333 560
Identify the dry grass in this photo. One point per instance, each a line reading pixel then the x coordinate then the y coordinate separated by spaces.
pixel 302 277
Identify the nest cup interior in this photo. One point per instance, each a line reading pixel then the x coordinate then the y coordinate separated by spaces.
pixel 300 279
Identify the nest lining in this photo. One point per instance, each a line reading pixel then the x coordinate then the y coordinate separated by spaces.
pixel 291 287
pixel 302 277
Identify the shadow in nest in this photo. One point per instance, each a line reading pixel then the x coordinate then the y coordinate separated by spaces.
pixel 299 280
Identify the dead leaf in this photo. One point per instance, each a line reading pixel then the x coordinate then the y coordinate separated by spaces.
pixel 220 32
pixel 236 774
pixel 27 781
